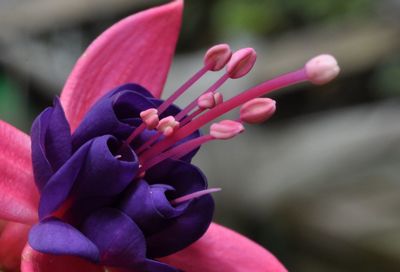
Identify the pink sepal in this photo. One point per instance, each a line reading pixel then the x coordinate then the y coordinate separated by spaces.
pixel 34 261
pixel 13 238
pixel 19 196
pixel 138 49
pixel 223 250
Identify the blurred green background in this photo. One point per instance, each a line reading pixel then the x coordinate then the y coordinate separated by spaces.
pixel 319 184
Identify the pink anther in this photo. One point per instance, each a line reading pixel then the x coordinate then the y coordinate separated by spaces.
pixel 167 125
pixel 257 110
pixel 322 69
pixel 209 100
pixel 150 118
pixel 226 129
pixel 241 63
pixel 217 57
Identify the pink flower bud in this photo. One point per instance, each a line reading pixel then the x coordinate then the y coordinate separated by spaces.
pixel 226 129
pixel 217 56
pixel 150 118
pixel 241 63
pixel 322 69
pixel 257 110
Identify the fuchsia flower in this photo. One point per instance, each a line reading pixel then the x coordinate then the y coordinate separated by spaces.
pixel 105 182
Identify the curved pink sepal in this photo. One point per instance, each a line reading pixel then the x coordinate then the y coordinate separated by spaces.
pixel 13 237
pixel 34 261
pixel 138 49
pixel 18 193
pixel 223 250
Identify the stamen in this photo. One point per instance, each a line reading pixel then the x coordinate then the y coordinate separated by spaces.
pixel 167 126
pixel 149 142
pixel 226 129
pixel 223 130
pixel 209 100
pixel 150 118
pixel 214 58
pixel 241 62
pixel 217 57
pixel 257 110
pixel 118 157
pixel 193 104
pixel 279 82
pixel 191 196
pixel 238 66
pixel 177 152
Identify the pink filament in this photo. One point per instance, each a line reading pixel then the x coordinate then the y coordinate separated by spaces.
pixel 182 114
pixel 171 100
pixel 188 197
pixel 257 91
pixel 177 152
pixel 149 142
pixel 193 104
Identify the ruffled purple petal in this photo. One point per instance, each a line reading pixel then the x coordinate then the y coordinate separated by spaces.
pixel 105 174
pixel 51 143
pixel 168 228
pixel 93 171
pixel 54 236
pixel 149 207
pixel 60 184
pixel 108 115
pixel 120 241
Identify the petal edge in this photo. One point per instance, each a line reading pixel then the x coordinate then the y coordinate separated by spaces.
pixel 129 51
pixel 18 194
pixel 223 250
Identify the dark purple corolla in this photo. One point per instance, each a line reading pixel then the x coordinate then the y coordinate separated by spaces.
pixel 95 201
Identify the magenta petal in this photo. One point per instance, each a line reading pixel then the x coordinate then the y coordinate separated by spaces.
pixel 223 250
pixel 18 193
pixel 34 261
pixel 13 237
pixel 138 49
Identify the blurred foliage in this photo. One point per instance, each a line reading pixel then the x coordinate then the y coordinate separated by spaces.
pixel 386 79
pixel 13 107
pixel 273 16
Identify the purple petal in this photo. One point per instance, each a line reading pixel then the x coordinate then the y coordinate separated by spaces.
pixel 54 236
pixel 120 241
pixel 51 143
pixel 60 184
pixel 146 206
pixel 169 229
pixel 108 114
pixel 93 171
pixel 103 174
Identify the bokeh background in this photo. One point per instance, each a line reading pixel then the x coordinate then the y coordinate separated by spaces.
pixel 319 184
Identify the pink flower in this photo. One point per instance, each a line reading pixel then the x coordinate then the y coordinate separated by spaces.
pixel 138 49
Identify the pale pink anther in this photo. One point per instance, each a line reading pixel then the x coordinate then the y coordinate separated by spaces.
pixel 191 196
pixel 217 57
pixel 226 129
pixel 241 63
pixel 218 98
pixel 209 100
pixel 322 69
pixel 167 125
pixel 257 110
pixel 150 118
